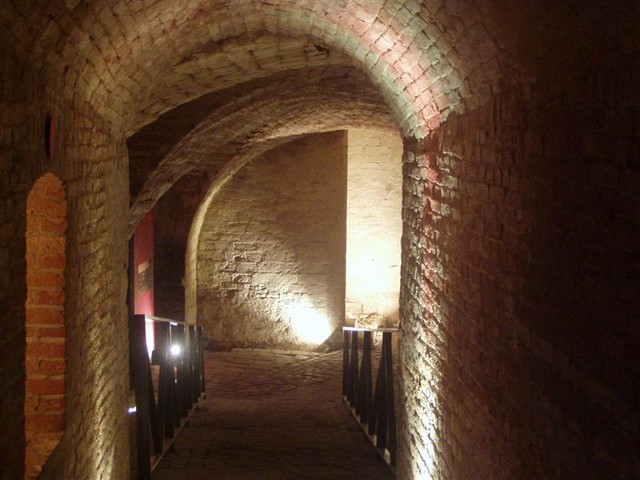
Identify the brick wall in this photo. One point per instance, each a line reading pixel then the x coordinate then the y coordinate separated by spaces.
pixel 520 276
pixel 374 223
pixel 91 162
pixel 272 247
pixel 520 280
pixel 22 161
pixel 45 335
pixel 93 168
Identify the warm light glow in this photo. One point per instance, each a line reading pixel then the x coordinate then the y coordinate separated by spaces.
pixel 309 325
pixel 374 224
pixel 149 334
pixel 176 350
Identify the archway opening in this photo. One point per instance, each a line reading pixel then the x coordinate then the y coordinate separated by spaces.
pixel 45 328
pixel 374 228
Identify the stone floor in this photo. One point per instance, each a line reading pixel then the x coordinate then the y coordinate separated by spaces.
pixel 272 415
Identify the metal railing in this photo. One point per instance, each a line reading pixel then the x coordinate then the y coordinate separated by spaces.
pixel 162 406
pixel 374 408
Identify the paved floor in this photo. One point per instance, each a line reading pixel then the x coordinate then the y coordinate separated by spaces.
pixel 272 415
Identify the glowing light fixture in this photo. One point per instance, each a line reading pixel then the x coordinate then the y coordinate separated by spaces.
pixel 132 409
pixel 150 336
pixel 176 350
pixel 310 325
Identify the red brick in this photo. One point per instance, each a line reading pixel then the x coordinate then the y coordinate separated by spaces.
pixel 45 386
pixel 39 279
pixel 52 227
pixel 46 350
pixel 53 332
pixel 52 261
pixel 46 297
pixel 51 367
pixel 44 316
pixel 41 423
pixel 50 405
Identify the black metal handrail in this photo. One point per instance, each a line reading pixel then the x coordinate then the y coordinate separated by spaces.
pixel 375 409
pixel 179 353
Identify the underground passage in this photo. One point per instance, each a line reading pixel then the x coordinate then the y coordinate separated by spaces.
pixel 319 239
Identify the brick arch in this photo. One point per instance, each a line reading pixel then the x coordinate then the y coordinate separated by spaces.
pixel 234 165
pixel 132 62
pixel 404 51
pixel 45 328
pixel 284 109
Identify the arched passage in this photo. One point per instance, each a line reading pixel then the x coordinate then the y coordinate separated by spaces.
pixel 520 214
pixel 45 327
pixel 285 108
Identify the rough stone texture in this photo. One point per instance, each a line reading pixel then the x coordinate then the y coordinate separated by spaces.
pixel 374 224
pixel 272 248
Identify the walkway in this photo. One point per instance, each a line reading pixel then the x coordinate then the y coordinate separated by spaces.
pixel 272 415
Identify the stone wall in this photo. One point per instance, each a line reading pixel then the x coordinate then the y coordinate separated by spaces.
pixel 374 223
pixel 272 248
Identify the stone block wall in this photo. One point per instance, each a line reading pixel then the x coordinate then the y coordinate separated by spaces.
pixel 272 248
pixel 374 223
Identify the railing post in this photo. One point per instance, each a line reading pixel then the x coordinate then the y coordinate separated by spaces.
pixel 352 395
pixel 156 428
pixel 382 420
pixel 166 380
pixel 363 405
pixel 201 354
pixel 181 382
pixel 345 362
pixel 391 416
pixel 181 373
pixel 175 380
pixel 139 361
pixel 378 423
pixel 193 365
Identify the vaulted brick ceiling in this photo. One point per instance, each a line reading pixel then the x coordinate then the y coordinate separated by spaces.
pixel 138 59
pixel 253 119
pixel 241 72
